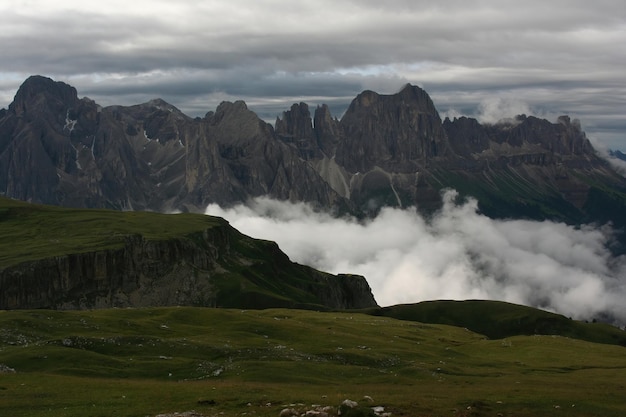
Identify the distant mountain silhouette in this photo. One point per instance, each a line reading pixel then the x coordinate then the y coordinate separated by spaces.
pixel 386 150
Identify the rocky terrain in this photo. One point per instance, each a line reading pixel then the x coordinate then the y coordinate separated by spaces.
pixel 347 407
pixel 386 150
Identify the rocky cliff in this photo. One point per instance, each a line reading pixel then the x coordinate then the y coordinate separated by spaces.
pixel 58 149
pixel 386 150
pixel 394 150
pixel 213 266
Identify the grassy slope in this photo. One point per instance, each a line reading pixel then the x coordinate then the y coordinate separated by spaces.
pixel 30 232
pixel 255 273
pixel 138 362
pixel 498 320
pixel 507 195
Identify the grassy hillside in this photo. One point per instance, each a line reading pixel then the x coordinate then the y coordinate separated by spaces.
pixel 498 320
pixel 500 196
pixel 31 232
pixel 239 271
pixel 142 362
pixel 508 194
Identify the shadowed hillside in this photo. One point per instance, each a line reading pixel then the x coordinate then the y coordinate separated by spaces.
pixel 52 257
pixel 498 320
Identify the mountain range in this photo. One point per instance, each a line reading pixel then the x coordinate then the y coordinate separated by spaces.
pixel 386 150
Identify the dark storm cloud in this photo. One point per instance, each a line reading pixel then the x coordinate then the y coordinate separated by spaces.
pixel 554 56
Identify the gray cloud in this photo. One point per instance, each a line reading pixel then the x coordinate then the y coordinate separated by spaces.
pixel 458 254
pixel 557 57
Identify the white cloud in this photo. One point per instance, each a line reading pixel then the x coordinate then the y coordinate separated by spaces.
pixel 618 165
pixel 492 110
pixel 458 254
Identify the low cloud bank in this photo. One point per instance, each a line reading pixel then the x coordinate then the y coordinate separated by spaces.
pixel 456 254
pixel 618 164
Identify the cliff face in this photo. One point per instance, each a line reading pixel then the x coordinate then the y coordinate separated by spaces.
pixel 58 149
pixel 386 150
pixel 142 273
pixel 216 267
pixel 394 150
pixel 394 132
pixel 233 155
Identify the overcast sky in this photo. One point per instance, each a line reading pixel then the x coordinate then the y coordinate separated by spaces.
pixel 486 58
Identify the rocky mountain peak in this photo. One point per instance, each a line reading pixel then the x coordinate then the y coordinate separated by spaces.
pixel 236 122
pixel 229 111
pixel 396 130
pixel 466 135
pixel 327 130
pixel 562 138
pixel 410 98
pixel 225 107
pixel 296 127
pixel 417 97
pixel 365 99
pixel 40 93
pixel 163 105
pixel 295 122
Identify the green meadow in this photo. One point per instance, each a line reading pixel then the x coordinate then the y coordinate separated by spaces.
pixel 31 232
pixel 144 362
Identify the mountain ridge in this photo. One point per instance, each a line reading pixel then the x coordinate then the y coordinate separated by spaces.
pixel 386 150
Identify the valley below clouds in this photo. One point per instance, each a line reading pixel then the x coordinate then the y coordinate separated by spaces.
pixel 457 253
